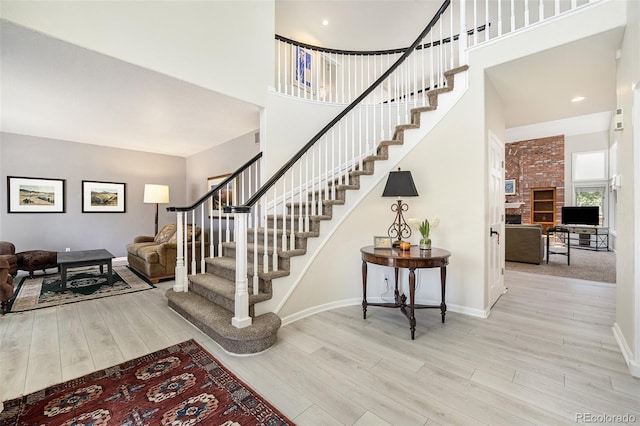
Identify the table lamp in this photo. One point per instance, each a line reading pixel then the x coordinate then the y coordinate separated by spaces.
pixel 399 184
pixel 156 194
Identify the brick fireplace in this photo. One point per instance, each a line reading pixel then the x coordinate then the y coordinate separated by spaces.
pixel 535 163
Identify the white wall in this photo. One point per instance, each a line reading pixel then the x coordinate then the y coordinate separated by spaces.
pixel 225 46
pixel 289 124
pixel 627 327
pixel 335 274
pixel 216 161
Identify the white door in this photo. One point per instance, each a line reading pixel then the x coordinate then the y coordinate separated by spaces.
pixel 496 218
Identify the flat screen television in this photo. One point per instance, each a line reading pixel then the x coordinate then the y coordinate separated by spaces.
pixel 587 215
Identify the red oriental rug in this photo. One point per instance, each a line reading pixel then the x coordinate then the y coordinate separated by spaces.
pixel 179 385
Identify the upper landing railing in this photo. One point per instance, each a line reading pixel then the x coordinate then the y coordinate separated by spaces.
pixel 339 76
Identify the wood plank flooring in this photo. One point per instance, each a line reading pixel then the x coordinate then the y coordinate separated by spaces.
pixel 544 356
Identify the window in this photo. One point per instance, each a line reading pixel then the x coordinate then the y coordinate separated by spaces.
pixel 589 166
pixel 591 195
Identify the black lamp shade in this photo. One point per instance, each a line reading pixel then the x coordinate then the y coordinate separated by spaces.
pixel 400 184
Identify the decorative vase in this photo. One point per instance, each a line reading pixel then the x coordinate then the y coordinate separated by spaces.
pixel 425 244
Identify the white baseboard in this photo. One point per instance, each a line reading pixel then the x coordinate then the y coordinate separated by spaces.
pixel 357 301
pixel 321 308
pixel 632 363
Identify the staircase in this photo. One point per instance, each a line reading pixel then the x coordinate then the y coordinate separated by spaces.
pixel 209 303
pixel 384 101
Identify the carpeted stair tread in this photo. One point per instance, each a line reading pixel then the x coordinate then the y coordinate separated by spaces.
pixel 251 248
pixel 418 110
pixel 215 322
pixel 209 286
pixel 316 217
pixel 305 234
pixel 229 263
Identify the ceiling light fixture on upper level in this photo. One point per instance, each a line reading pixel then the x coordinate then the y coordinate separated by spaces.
pixel 578 99
pixel 325 22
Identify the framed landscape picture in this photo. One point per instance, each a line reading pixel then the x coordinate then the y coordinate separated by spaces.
pixel 35 195
pixel 509 187
pixel 382 242
pixel 224 197
pixel 103 197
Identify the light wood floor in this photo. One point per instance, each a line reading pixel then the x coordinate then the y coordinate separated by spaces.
pixel 545 355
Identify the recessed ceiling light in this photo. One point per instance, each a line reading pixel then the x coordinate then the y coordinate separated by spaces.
pixel 325 22
pixel 578 99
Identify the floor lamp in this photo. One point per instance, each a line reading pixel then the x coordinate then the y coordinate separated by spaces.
pixel 156 194
pixel 399 184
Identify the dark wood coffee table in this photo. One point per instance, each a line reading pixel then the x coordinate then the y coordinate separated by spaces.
pixel 76 259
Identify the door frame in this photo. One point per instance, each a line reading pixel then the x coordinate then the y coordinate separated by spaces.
pixel 494 296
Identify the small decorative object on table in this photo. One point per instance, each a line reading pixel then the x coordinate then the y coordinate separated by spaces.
pixel 380 242
pixel 405 245
pixel 425 227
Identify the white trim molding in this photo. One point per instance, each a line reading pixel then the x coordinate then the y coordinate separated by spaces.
pixel 634 366
pixel 591 123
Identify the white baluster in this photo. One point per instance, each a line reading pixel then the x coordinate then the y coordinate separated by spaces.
pixel 431 63
pixel 293 214
pixel 193 242
pixel 209 202
pixel 283 245
pixel 540 10
pixel 475 22
pixel 301 201
pixel 451 35
pixel 306 190
pixel 203 264
pixel 315 148
pixel 227 235
pixel 186 246
pixel 526 13
pixel 462 43
pixel 279 66
pixel 256 279
pixel 265 229
pixel 487 34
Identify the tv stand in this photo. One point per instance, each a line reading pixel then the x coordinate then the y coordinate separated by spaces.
pixel 588 237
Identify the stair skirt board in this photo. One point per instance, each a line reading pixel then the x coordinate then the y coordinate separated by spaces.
pixel 210 301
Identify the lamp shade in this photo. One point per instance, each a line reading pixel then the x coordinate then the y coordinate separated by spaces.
pixel 400 184
pixel 156 193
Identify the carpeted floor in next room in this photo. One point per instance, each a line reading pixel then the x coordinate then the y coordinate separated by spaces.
pixel 585 265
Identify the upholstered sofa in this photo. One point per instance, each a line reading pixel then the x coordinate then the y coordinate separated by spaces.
pixel 524 243
pixel 8 253
pixel 155 257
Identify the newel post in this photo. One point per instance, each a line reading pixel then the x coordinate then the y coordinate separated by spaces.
pixel 241 316
pixel 180 284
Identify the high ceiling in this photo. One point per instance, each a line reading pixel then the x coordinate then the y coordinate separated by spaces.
pixel 49 87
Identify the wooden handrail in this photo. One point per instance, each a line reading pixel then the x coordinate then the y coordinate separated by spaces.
pixel 217 188
pixel 470 32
